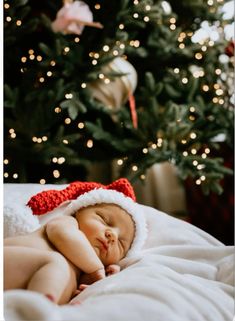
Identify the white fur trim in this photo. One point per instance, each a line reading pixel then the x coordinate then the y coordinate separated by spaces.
pixel 100 195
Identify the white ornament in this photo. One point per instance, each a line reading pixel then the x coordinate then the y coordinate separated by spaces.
pixel 115 93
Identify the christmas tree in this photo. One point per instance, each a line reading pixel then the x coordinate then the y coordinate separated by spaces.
pixel 115 81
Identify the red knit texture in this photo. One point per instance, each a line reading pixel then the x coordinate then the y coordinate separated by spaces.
pixel 46 201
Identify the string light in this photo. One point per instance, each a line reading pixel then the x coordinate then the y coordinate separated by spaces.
pixel 142 176
pixel 83 85
pixel 146 19
pixel 198 182
pixel 205 88
pixel 6 175
pixel 52 63
pixel 69 96
pixel 192 109
pixel 39 58
pixel 134 168
pixel 185 153
pixel 89 143
pixel 6 161
pixel 200 166
pixel 94 62
pixel 119 162
pixel 154 146
pixel 18 23
pixel 57 110
pixel 54 160
pixel 97 6
pixel 6 5
pixel 219 92
pixel 193 151
pixel 198 56
pixel 65 141
pixel 135 15
pixel 176 70
pixel 145 150
pixel 121 26
pixel 61 160
pixel 195 162
pixel 221 101
pixel 193 135
pixel 15 175
pixel 56 173
pixel 181 45
pixel 185 80
pixel 41 79
pixel 8 19
pixel 42 181
pixel 81 125
pixel 49 73
pixel 207 150
pixel 67 121
pixel 106 48
pixel 204 155
pixel 66 50
pixel 76 39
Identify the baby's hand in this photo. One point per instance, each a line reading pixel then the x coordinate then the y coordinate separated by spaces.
pixel 112 269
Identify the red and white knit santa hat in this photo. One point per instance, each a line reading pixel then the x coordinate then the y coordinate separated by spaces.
pixel 83 194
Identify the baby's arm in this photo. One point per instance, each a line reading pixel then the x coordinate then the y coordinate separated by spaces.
pixel 64 234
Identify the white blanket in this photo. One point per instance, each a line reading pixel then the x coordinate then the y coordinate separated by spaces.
pixel 183 274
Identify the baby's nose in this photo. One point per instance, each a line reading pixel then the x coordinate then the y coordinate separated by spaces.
pixel 111 235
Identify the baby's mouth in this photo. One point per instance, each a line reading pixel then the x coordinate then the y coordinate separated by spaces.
pixel 104 245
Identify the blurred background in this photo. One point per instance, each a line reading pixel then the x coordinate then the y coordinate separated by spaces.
pixel 142 89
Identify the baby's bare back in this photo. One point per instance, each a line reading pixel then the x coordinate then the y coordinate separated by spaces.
pixel 37 239
pixel 30 261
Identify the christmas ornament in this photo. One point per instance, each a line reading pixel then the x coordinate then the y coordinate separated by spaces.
pixel 229 50
pixel 72 18
pixel 115 93
pixel 83 194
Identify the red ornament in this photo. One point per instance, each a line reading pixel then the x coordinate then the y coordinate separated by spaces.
pixel 229 50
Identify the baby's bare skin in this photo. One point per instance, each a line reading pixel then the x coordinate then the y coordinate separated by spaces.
pixel 36 250
pixel 51 259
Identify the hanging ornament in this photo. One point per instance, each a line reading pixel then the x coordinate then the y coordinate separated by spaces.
pixel 229 50
pixel 115 93
pixel 72 18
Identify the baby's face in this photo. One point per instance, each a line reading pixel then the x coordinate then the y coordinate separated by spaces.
pixel 109 229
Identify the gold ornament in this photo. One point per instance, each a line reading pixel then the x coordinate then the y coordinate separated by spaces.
pixel 115 93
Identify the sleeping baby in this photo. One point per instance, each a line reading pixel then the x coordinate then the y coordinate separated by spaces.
pixel 101 225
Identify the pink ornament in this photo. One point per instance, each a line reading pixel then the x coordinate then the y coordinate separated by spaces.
pixel 72 18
